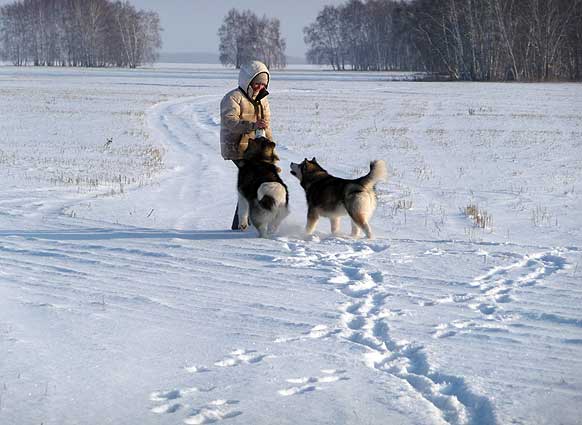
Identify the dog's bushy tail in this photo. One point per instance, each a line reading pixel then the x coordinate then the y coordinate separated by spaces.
pixel 271 194
pixel 267 202
pixel 378 172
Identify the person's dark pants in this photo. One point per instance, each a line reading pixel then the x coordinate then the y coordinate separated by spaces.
pixel 234 225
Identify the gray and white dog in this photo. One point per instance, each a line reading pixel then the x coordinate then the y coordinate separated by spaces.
pixel 333 197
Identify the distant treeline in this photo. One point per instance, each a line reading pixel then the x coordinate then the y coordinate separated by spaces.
pixel 88 33
pixel 480 40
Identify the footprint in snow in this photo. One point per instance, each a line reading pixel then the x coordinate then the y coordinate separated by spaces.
pixel 354 281
pixel 454 299
pixel 238 357
pixel 212 412
pixel 309 384
pixel 196 369
pixel 446 330
pixel 495 289
pixel 317 332
pixel 170 399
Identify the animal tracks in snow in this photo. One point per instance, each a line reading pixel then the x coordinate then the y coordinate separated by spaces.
pixel 305 385
pixel 238 357
pixel 317 332
pixel 364 320
pixel 197 369
pixel 173 400
pixel 212 412
pixel 496 288
pixel 185 399
pixel 329 253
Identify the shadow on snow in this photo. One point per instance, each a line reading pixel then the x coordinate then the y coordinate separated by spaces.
pixel 112 234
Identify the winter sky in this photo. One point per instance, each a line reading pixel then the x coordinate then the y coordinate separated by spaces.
pixel 192 25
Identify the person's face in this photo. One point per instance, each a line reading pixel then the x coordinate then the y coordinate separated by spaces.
pixel 257 87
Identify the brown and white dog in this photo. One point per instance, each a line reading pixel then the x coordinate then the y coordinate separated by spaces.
pixel 333 197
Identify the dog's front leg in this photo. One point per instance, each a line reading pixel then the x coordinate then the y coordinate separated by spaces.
pixel 312 219
pixel 243 213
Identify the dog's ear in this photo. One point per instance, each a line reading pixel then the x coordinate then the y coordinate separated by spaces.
pixel 314 160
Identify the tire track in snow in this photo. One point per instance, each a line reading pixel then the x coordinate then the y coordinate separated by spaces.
pixel 365 322
pixel 189 133
pixel 175 121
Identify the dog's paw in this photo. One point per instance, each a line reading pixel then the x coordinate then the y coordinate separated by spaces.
pixel 243 226
pixel 312 238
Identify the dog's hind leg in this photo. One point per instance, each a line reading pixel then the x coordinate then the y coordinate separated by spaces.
pixel 355 229
pixel 263 232
pixel 361 221
pixel 360 210
pixel 367 230
pixel 274 226
pixel 312 219
pixel 335 225
pixel 243 213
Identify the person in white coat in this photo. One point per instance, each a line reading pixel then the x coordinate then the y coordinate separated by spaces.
pixel 245 114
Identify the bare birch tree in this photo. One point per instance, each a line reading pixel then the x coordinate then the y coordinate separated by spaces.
pixel 78 33
pixel 244 37
pixel 466 39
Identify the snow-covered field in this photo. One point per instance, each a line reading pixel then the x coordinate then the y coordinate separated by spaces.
pixel 124 299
